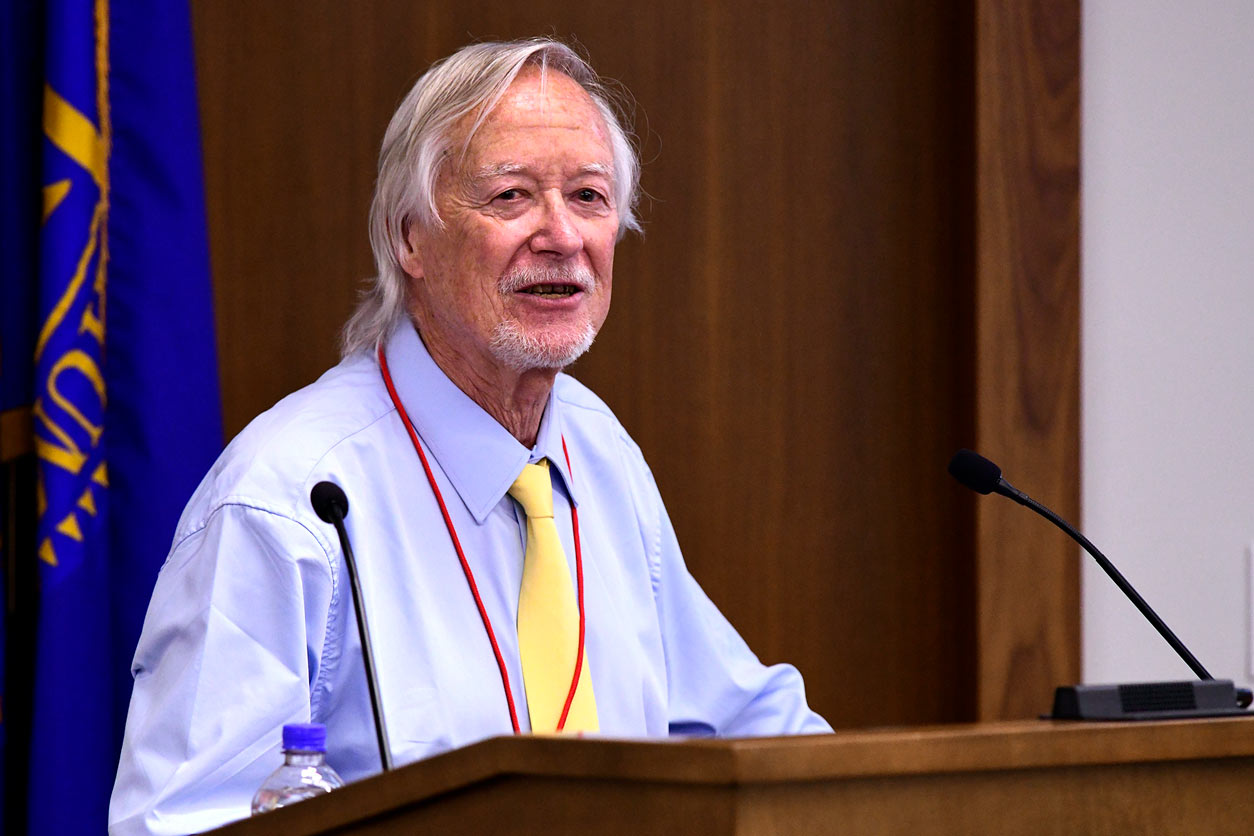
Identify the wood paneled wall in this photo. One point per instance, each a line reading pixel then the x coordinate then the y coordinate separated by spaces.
pixel 1027 355
pixel 859 256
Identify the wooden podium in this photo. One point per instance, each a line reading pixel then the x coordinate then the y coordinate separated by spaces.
pixel 1177 777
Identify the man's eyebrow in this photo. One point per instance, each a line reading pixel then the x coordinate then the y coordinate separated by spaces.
pixel 596 168
pixel 487 172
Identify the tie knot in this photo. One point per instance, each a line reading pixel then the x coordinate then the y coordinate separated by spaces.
pixel 534 490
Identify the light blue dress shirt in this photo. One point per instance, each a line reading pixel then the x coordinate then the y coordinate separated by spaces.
pixel 251 624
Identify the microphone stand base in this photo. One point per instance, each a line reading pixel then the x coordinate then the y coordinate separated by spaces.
pixel 1149 701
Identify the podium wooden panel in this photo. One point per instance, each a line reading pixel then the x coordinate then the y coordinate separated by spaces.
pixel 1008 778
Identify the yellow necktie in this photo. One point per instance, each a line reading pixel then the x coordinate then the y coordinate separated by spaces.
pixel 548 615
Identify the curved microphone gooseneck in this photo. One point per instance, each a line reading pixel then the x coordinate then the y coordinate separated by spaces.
pixel 331 505
pixel 984 477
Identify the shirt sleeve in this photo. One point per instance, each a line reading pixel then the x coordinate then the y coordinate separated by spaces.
pixel 229 653
pixel 717 686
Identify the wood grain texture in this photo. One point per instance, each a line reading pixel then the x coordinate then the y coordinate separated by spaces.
pixel 1027 358
pixel 792 342
pixel 1038 778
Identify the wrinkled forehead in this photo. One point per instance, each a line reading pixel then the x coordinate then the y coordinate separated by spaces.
pixel 542 111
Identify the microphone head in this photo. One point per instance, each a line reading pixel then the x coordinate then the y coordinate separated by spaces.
pixel 329 501
pixel 975 471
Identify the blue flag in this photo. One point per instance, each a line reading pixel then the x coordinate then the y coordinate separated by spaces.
pixel 126 412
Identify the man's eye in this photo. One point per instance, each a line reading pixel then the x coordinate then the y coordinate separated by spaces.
pixel 509 194
pixel 588 195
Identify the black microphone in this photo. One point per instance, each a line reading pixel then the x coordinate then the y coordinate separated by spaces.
pixel 331 505
pixel 1155 700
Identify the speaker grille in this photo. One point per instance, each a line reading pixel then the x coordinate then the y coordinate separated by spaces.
pixel 1161 696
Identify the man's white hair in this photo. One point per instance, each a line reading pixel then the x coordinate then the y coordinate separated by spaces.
pixel 419 139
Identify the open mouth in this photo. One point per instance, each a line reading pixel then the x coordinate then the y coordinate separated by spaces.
pixel 551 291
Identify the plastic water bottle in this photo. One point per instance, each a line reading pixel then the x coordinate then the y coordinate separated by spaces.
pixel 304 773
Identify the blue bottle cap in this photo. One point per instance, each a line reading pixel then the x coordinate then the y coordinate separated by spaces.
pixel 305 737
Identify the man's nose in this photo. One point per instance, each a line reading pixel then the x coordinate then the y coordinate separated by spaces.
pixel 558 232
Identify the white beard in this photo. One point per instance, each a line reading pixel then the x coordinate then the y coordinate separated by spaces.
pixel 523 352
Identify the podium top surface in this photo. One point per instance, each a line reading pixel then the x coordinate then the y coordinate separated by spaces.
pixel 847 754
pixel 965 748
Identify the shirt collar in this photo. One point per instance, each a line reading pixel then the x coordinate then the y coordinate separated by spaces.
pixel 479 456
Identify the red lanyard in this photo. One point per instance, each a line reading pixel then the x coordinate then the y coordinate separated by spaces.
pixel 470 576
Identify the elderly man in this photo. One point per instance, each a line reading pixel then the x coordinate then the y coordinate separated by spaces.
pixel 502 517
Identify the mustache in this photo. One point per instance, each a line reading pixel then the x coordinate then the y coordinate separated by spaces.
pixel 571 274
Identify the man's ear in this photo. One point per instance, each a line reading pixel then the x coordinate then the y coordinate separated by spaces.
pixel 409 252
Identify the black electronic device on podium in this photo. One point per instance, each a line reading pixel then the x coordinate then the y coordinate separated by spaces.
pixel 1203 697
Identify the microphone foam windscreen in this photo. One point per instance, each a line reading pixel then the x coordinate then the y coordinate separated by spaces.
pixel 975 471
pixel 326 498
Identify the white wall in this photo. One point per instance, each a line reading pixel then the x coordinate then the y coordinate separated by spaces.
pixel 1168 331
